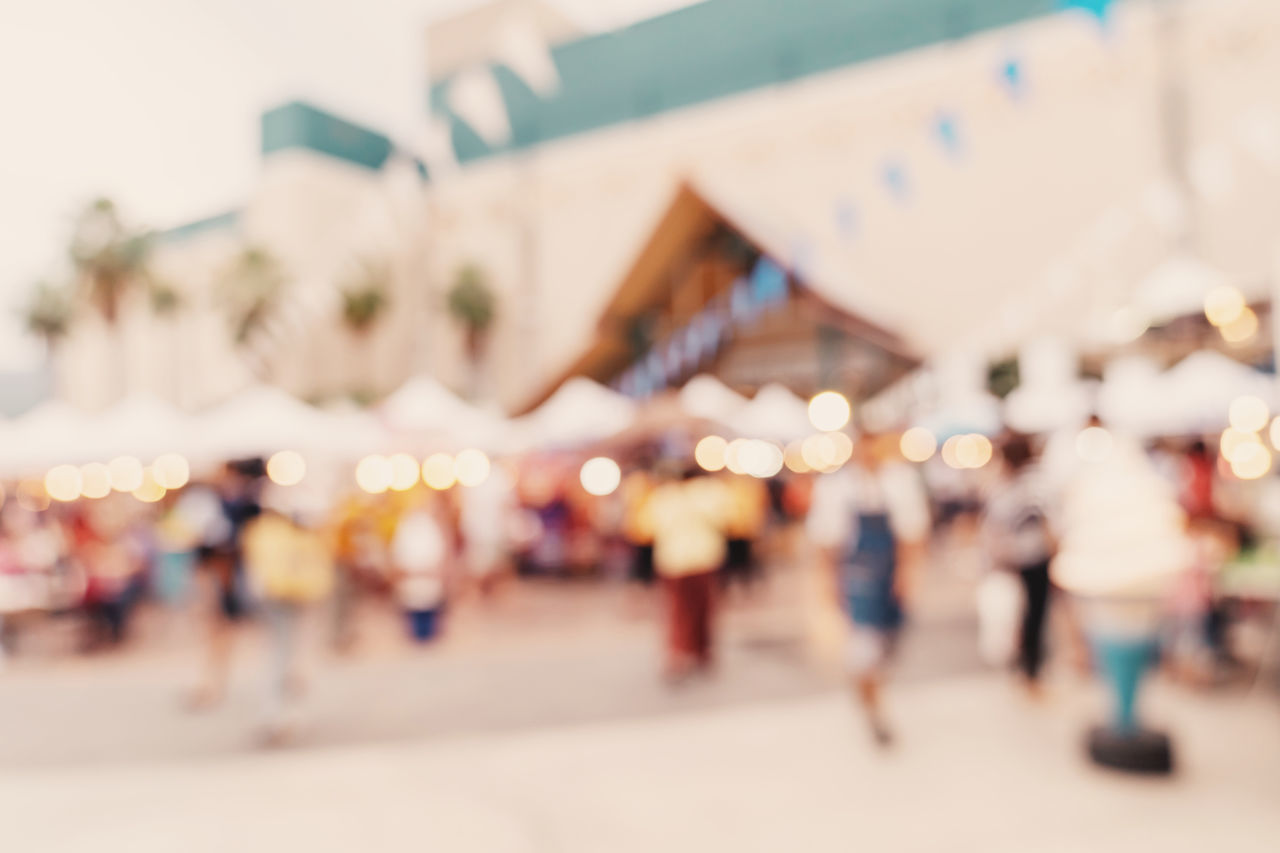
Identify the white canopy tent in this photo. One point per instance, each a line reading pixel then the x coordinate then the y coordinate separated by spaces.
pixel 1176 288
pixel 46 435
pixel 425 412
pixel 1195 395
pixel 1130 398
pixel 706 397
pixel 140 425
pixel 975 411
pixel 351 432
pixel 1046 408
pixel 259 421
pixel 775 413
pixel 579 412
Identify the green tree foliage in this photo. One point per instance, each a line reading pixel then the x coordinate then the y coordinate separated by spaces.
pixel 110 258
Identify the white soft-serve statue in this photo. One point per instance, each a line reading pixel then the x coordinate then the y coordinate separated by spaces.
pixel 1123 544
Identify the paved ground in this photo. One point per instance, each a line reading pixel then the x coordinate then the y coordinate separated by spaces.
pixel 539 725
pixel 545 654
pixel 975 769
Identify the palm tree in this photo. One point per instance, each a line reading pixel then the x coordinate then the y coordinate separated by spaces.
pixel 473 307
pixel 110 258
pixel 365 299
pixel 165 299
pixel 48 314
pixel 249 291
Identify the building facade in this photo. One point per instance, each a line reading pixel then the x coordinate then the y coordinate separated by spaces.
pixel 964 173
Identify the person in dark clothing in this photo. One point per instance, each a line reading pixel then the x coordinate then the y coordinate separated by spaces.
pixel 1017 532
pixel 238 503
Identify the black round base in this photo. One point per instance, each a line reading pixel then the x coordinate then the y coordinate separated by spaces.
pixel 1134 752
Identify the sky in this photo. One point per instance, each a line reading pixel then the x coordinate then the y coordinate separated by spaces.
pixel 155 104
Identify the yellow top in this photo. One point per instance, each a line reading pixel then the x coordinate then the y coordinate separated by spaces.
pixel 748 508
pixel 637 522
pixel 286 562
pixel 689 523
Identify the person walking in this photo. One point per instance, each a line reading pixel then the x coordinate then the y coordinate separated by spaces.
pixel 689 515
pixel 420 553
pixel 220 513
pixel 869 519
pixel 1015 528
pixel 289 568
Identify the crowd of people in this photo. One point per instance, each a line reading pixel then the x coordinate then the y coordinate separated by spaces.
pixel 271 553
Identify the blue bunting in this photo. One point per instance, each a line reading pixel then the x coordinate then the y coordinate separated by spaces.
pixel 947 128
pixel 1013 77
pixel 895 179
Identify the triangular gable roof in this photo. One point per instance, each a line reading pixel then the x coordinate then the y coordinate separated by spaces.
pixel 690 218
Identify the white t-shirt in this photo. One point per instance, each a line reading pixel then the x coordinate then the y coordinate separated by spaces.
pixel 418 549
pixel 839 497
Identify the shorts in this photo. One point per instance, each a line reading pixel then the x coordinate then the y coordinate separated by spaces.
pixel 869 650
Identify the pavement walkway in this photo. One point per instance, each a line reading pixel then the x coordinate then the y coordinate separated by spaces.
pixel 975 768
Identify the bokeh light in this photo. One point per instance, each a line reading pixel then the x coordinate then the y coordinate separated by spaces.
pixel 437 471
pixel 1093 444
pixel 95 480
pixel 171 470
pixel 151 489
pixel 471 467
pixel 1248 414
pixel 967 451
pixel 600 476
pixel 373 474
pixel 1241 328
pixel 793 458
pixel 62 483
pixel 1233 439
pixel 818 453
pixel 1251 461
pixel 404 472
pixel 733 459
pixel 950 452
pixel 286 468
pixel 973 451
pixel 761 459
pixel 710 453
pixel 829 411
pixel 126 473
pixel 918 445
pixel 1275 433
pixel 1224 304
pixel 31 495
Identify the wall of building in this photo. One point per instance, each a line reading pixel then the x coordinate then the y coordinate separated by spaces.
pixel 320 217
pixel 1076 153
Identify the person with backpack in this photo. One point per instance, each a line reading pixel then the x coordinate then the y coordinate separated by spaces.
pixel 1016 530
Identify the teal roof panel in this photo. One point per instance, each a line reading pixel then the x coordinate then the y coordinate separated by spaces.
pixel 719 48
